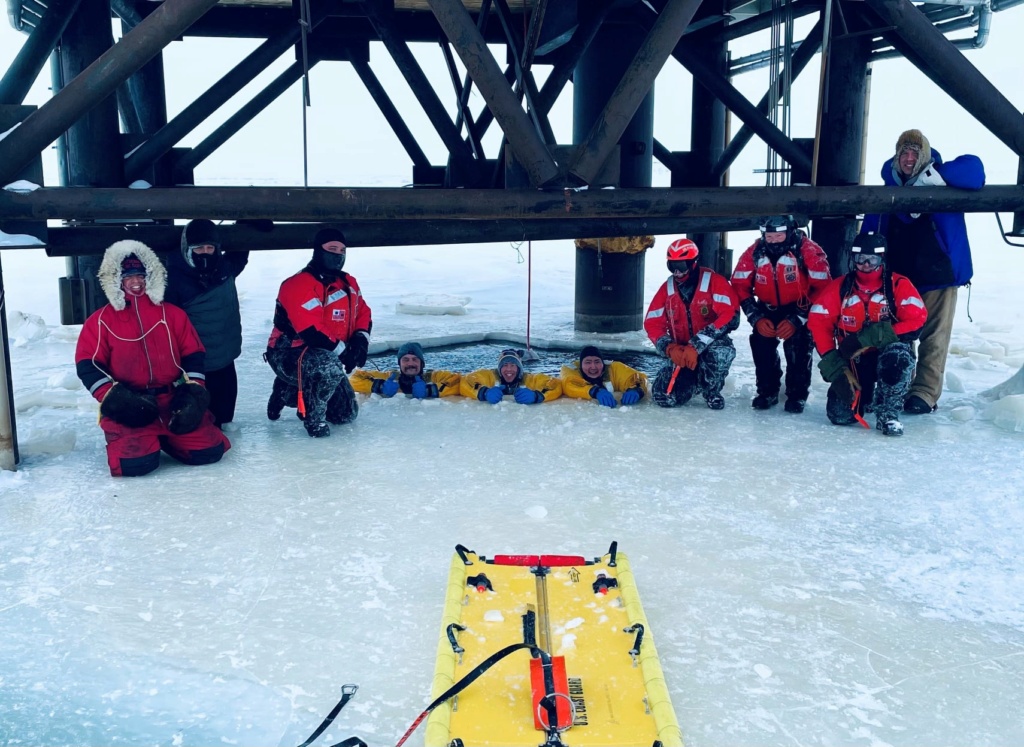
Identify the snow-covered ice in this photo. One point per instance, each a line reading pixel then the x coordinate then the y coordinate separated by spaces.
pixel 804 583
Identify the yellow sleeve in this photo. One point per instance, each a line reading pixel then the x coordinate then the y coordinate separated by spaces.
pixel 549 386
pixel 623 377
pixel 447 383
pixel 362 381
pixel 471 384
pixel 573 383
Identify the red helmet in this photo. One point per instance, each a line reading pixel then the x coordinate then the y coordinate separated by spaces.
pixel 682 249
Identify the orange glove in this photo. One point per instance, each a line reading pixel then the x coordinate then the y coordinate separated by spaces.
pixel 765 328
pixel 785 329
pixel 684 356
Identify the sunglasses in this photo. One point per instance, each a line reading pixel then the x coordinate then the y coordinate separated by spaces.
pixel 867 260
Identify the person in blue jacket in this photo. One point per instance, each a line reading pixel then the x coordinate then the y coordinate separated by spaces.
pixel 932 250
pixel 201 280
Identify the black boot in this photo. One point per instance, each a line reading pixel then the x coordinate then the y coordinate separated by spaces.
pixel 795 405
pixel 317 428
pixel 276 402
pixel 765 401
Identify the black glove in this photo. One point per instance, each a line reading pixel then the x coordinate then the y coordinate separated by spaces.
pixel 128 408
pixel 832 366
pixel 188 405
pixel 850 345
pixel 878 335
pixel 355 351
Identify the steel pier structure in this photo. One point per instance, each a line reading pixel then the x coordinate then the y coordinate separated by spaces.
pixel 108 116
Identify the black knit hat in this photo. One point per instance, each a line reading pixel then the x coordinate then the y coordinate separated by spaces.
pixel 132 265
pixel 587 352
pixel 200 232
pixel 412 348
pixel 328 233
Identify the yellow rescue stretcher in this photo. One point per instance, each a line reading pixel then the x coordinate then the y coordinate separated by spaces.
pixel 570 656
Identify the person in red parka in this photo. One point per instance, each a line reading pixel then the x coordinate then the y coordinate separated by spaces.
pixel 774 281
pixel 689 321
pixel 864 324
pixel 321 334
pixel 143 361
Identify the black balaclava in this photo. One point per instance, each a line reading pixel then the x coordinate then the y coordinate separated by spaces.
pixel 588 351
pixel 328 263
pixel 198 233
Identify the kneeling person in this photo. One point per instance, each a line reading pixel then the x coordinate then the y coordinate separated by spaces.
pixel 143 361
pixel 410 378
pixel 491 385
pixel 321 334
pixel 590 378
pixel 863 325
pixel 689 321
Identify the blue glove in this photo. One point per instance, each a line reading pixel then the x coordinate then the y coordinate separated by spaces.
pixel 493 394
pixel 390 387
pixel 631 396
pixel 528 396
pixel 419 388
pixel 604 397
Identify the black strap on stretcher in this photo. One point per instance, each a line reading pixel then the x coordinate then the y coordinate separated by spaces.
pixel 347 693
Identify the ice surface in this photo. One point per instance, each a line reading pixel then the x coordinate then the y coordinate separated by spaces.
pixel 433 304
pixel 803 583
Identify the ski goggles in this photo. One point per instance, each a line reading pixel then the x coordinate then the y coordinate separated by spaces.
pixel 679 265
pixel 871 261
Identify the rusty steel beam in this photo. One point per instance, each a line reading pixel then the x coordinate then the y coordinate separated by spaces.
pixel 526 86
pixel 635 84
pixel 34 53
pixel 241 118
pixel 97 81
pixel 396 204
pixel 734 101
pixel 522 136
pixel 93 240
pixel 209 101
pixel 390 112
pixel 960 79
pixel 803 55
pixel 383 23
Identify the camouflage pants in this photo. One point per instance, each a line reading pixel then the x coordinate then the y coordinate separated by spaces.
pixel 884 377
pixel 708 378
pixel 326 391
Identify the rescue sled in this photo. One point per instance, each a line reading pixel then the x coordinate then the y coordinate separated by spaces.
pixel 570 655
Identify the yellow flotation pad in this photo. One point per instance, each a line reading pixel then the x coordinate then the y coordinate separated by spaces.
pixel 582 610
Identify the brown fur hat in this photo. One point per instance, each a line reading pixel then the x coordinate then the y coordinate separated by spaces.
pixel 916 140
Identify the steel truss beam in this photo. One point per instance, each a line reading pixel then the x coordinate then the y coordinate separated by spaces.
pixel 634 85
pixel 735 101
pixel 240 119
pixel 349 205
pixel 384 24
pixel 390 112
pixel 96 82
pixel 959 78
pixel 209 101
pixel 522 136
pixel 803 55
pixel 82 240
pixel 35 51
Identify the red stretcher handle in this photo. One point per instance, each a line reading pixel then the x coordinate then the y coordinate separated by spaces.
pixel 545 560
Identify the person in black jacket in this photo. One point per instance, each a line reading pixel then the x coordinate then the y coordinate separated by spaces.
pixel 201 280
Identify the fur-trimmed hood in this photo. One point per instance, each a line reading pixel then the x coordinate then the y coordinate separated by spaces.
pixel 913 139
pixel 110 272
